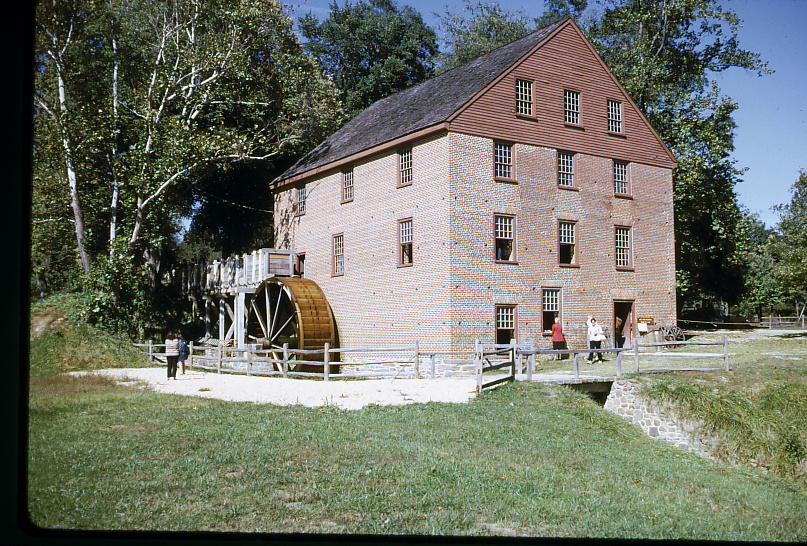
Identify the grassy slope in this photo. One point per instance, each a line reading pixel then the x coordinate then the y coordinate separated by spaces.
pixel 759 410
pixel 523 459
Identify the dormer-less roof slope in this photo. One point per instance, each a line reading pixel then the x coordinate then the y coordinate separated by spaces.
pixel 424 105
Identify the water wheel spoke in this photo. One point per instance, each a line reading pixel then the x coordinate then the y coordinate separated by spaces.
pixel 260 319
pixel 288 320
pixel 277 309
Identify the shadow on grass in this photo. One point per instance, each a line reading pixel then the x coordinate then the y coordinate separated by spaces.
pixel 794 335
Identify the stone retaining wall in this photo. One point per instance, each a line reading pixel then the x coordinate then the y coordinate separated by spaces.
pixel 657 421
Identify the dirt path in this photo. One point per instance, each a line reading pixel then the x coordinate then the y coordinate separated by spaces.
pixel 286 392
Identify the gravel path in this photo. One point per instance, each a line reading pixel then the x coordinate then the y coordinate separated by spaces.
pixel 307 392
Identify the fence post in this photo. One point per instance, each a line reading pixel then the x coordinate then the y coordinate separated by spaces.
pixel 636 353
pixel 218 363
pixel 433 366
pixel 285 368
pixel 478 366
pixel 726 363
pixel 327 360
pixel 577 365
pixel 530 366
pixel 249 361
pixel 151 353
pixel 619 364
pixel 417 358
pixel 190 356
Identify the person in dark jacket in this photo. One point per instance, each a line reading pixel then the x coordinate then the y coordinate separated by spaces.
pixel 184 351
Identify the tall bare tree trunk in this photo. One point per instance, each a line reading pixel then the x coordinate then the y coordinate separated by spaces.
pixel 71 178
pixel 113 209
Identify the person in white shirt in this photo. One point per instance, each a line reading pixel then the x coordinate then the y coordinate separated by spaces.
pixel 171 354
pixel 595 339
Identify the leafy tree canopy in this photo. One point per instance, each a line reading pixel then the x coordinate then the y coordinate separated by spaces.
pixel 371 49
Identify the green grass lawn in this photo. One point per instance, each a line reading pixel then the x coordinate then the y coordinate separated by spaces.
pixel 522 459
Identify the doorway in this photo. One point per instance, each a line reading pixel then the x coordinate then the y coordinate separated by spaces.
pixel 623 323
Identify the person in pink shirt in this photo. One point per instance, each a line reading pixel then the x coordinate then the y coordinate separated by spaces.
pixel 558 341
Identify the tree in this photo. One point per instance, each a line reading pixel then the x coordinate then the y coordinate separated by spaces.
pixel 665 53
pixel 371 49
pixel 789 243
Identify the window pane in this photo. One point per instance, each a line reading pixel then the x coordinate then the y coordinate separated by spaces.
pixel 567 242
pixel 620 177
pixel 338 255
pixel 347 185
pixel 614 116
pixel 524 97
pixel 571 107
pixel 405 165
pixel 405 242
pixel 622 246
pixel 505 324
pixel 503 159
pixel 301 200
pixel 565 169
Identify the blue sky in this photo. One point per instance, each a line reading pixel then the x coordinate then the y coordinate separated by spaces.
pixel 771 134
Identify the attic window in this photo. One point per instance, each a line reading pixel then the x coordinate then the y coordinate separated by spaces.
pixel 524 97
pixel 571 107
pixel 614 116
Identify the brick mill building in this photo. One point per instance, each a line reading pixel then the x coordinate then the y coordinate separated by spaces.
pixel 485 201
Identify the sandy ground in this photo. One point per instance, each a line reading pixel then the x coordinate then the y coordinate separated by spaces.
pixel 286 392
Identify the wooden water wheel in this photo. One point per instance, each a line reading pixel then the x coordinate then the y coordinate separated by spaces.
pixel 291 310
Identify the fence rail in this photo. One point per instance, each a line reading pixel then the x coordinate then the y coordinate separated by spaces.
pixel 508 358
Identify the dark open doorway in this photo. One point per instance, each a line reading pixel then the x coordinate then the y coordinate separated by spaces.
pixel 623 323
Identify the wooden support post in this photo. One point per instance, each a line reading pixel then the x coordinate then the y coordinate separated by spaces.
pixel 327 359
pixel 218 362
pixel 577 365
pixel 478 367
pixel 222 315
pixel 248 353
pixel 619 364
pixel 636 353
pixel 530 366
pixel 190 355
pixel 417 359
pixel 285 368
pixel 433 366
pixel 513 358
pixel 151 353
pixel 726 363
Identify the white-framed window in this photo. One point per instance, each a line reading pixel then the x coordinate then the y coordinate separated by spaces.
pixel 301 194
pixel 338 254
pixel 405 167
pixel 505 237
pixel 405 242
pixel 550 308
pixel 347 185
pixel 614 116
pixel 503 160
pixel 566 169
pixel 567 243
pixel 621 178
pixel 524 97
pixel 505 323
pixel 571 107
pixel 622 244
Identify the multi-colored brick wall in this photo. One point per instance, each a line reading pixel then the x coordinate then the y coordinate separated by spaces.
pixel 478 284
pixel 447 298
pixel 376 302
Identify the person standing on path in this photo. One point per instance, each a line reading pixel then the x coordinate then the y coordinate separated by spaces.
pixel 558 341
pixel 595 339
pixel 171 354
pixel 183 352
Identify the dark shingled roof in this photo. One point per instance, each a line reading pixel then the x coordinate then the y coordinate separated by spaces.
pixel 426 104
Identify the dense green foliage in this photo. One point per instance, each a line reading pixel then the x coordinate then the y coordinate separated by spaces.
pixel 139 105
pixel 371 49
